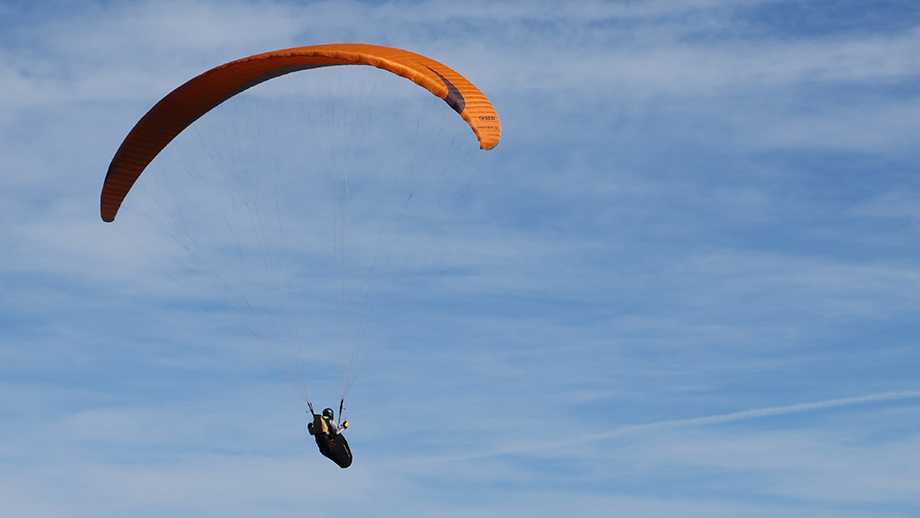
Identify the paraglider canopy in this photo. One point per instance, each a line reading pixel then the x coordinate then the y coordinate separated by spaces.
pixel 186 104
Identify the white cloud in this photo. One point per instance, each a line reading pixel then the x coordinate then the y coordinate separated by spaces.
pixel 650 243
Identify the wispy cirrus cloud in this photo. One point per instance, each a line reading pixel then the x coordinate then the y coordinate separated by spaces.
pixel 696 207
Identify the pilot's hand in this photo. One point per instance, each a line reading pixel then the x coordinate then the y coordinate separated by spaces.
pixel 345 424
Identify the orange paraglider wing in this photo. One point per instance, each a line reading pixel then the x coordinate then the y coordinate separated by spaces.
pixel 186 104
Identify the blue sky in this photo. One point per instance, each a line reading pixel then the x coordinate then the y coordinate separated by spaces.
pixel 686 283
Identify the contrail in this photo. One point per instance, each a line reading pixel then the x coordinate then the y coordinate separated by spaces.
pixel 699 421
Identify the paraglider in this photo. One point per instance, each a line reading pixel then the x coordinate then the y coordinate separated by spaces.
pixel 189 102
pixel 329 439
pixel 393 261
